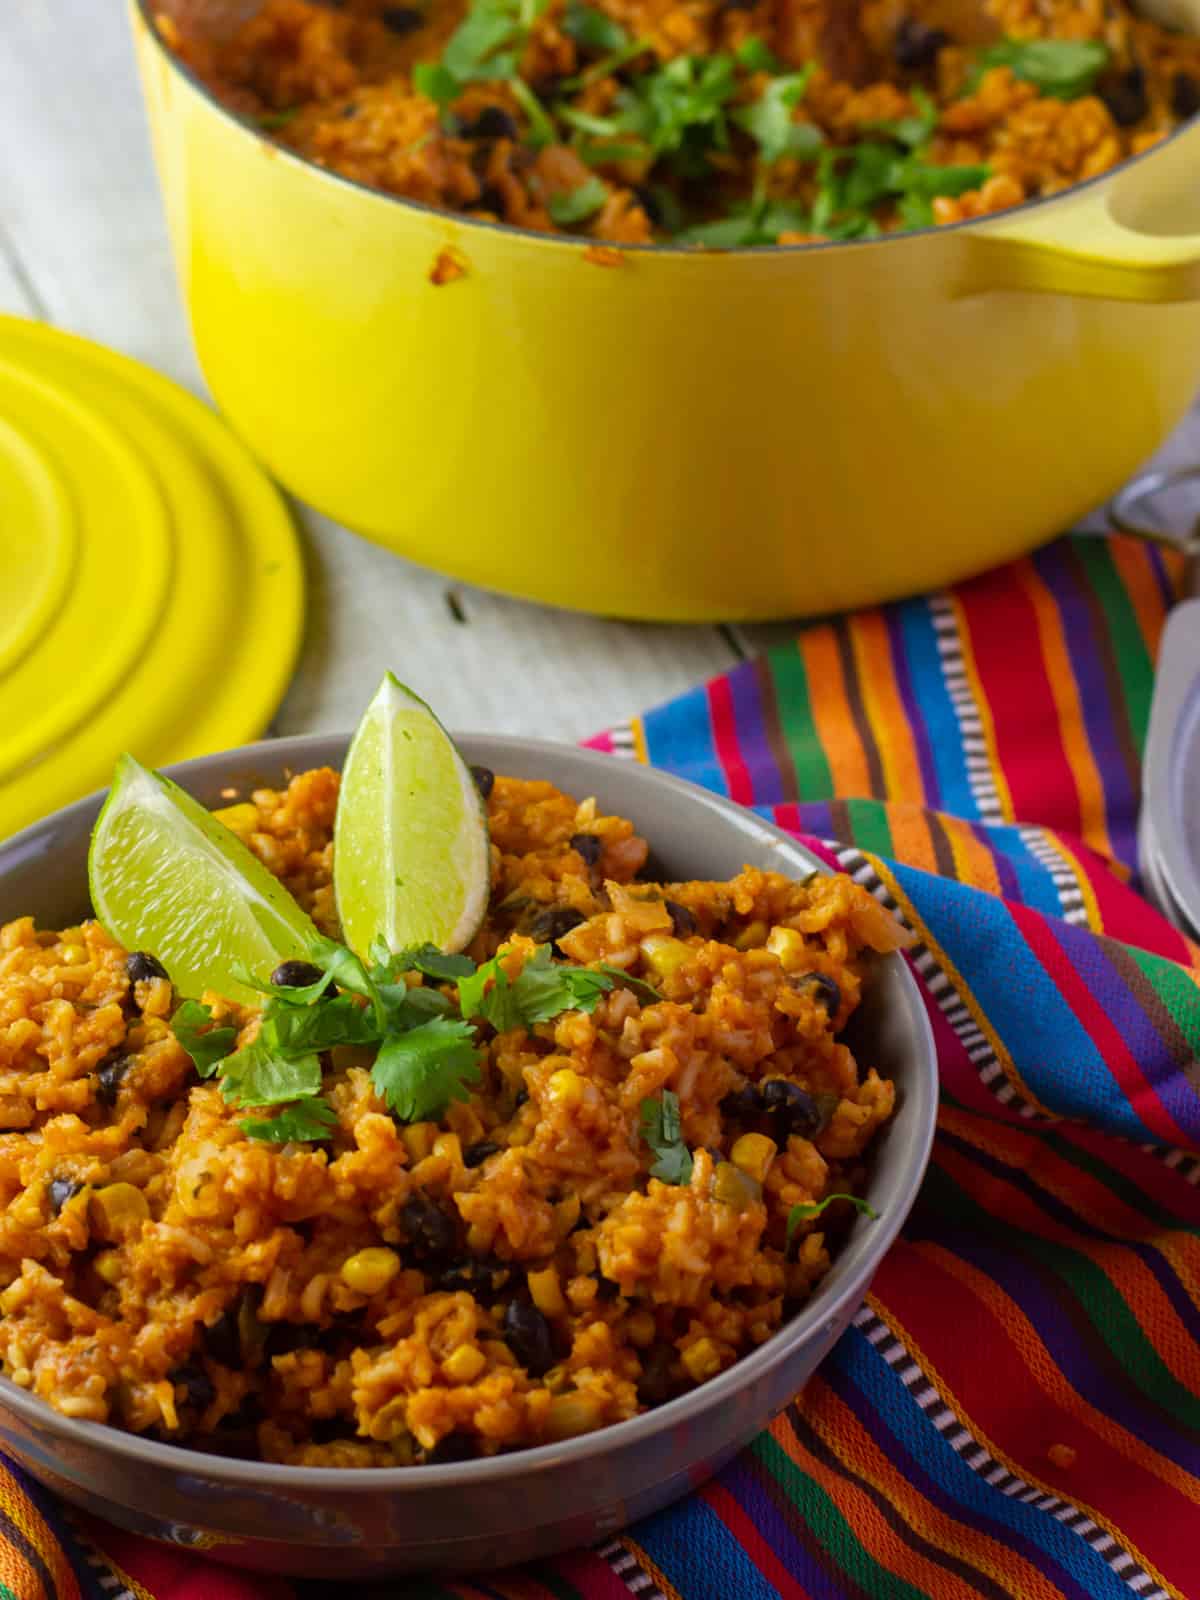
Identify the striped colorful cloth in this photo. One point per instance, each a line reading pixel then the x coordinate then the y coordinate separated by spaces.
pixel 1016 1408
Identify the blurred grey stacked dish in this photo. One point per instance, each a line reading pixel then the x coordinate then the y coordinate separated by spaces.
pixel 1169 828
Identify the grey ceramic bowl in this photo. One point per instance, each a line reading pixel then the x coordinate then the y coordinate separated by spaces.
pixel 318 1522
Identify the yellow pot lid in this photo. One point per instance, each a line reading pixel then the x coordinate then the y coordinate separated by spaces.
pixel 151 585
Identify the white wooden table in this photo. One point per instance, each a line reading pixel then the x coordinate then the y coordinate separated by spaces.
pixel 83 245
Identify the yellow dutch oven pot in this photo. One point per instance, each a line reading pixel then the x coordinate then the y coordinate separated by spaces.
pixel 667 433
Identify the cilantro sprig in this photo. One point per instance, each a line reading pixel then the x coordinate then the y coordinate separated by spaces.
pixel 1064 69
pixel 799 1214
pixel 426 1057
pixel 662 1128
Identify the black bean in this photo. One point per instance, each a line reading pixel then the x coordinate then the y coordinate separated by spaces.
pixel 285 1337
pixel 742 1103
pixel 326 1430
pixel 484 777
pixel 683 921
pixel 349 112
pixel 490 199
pixel 916 45
pixel 588 845
pixel 827 993
pixel 402 19
pixel 527 1334
pixel 1185 95
pixel 140 967
pixel 476 1154
pixel 198 1386
pixel 606 1289
pixel 491 123
pixel 553 922
pixel 296 975
pixel 109 1077
pixel 792 1106
pixel 521 1098
pixel 62 1190
pixel 656 1384
pixel 452 1447
pixel 1125 96
pixel 648 201
pixel 431 1232
pixel 220 1339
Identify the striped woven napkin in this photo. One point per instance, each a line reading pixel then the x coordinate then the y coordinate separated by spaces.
pixel 1016 1408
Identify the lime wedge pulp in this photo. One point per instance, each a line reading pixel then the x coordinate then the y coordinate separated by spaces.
pixel 411 858
pixel 166 876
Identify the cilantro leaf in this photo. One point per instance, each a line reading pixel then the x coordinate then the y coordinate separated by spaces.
pixel 420 1072
pixel 662 1128
pixel 926 179
pixel 431 961
pixel 645 992
pixel 260 1076
pixel 1064 69
pixel 431 78
pixel 799 1214
pixel 680 109
pixel 303 1122
pixel 541 124
pixel 914 131
pixel 756 55
pixel 592 30
pixel 768 120
pixel 579 203
pixel 191 1025
pixel 543 990
pixel 299 1030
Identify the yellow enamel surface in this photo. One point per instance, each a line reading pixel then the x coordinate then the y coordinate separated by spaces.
pixel 150 576
pixel 682 435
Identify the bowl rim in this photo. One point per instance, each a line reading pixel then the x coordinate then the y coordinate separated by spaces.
pixel 144 11
pixel 818 1313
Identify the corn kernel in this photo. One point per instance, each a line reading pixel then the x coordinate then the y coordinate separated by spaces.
pixel 464 1364
pixel 641 1329
pixel 565 1088
pixel 733 1188
pixel 701 1360
pixel 369 1271
pixel 555 1379
pixel 73 955
pixel 753 1154
pixel 751 936
pixel 116 1210
pixel 788 946
pixel 447 1148
pixel 572 1414
pixel 240 819
pixel 418 1139
pixel 664 954
pixel 547 1293
pixel 107 1265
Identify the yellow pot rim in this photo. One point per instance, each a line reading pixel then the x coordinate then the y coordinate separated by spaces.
pixel 572 242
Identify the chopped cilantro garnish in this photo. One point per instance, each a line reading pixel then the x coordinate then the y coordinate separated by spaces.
pixel 645 992
pixel 927 180
pixel 756 55
pixel 1065 69
pixel 768 120
pixel 914 131
pixel 593 31
pixel 260 1075
pixel 799 1214
pixel 276 119
pixel 420 1072
pixel 578 204
pixel 436 81
pixel 543 990
pixel 750 223
pixel 431 961
pixel 541 125
pixel 304 1121
pixel 192 1026
pixel 662 1129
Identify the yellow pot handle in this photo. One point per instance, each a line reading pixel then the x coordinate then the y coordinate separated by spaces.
pixel 1133 237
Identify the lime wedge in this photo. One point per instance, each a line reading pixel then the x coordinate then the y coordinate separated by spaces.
pixel 167 877
pixel 411 860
